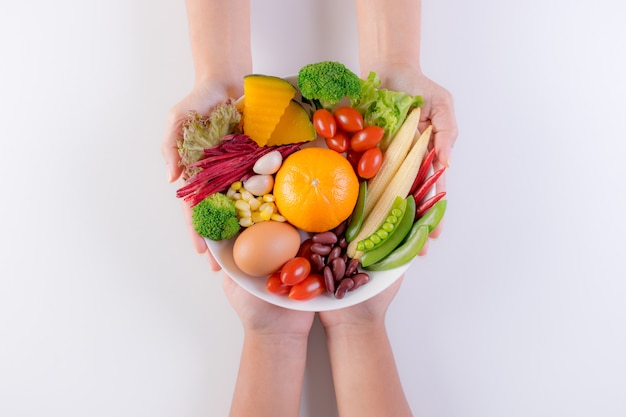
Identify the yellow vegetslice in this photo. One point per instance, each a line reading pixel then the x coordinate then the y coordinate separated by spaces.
pixel 398 185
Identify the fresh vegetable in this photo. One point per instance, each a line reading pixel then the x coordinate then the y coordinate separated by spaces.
pixel 259 184
pixel 414 243
pixel 251 209
pixel 225 164
pixel 294 126
pixel 399 185
pixel 385 108
pixel 402 229
pixel 311 286
pixel 265 100
pixel 356 219
pixel 325 83
pixel 427 204
pixel 423 171
pixel 276 286
pixel 367 138
pixel 215 217
pixel 268 163
pixel 369 163
pixel 325 124
pixel 392 159
pixel 433 216
pixel 263 248
pixel 387 228
pixel 425 187
pixel 295 270
pixel 339 143
pixel 201 132
pixel 348 119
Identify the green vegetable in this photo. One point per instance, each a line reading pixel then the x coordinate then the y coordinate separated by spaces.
pixel 358 214
pixel 406 252
pixel 215 217
pixel 325 83
pixel 433 216
pixel 202 132
pixel 387 228
pixel 404 226
pixel 384 108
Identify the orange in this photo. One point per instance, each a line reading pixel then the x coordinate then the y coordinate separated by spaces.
pixel 316 189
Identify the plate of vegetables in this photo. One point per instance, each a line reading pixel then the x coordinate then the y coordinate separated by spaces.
pixel 314 191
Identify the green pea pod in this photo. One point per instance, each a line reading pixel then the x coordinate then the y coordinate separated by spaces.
pixel 404 226
pixel 406 252
pixel 433 216
pixel 387 228
pixel 356 220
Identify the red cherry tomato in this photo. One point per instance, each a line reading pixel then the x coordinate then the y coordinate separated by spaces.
pixel 370 163
pixel 349 119
pixel 354 157
pixel 324 122
pixel 276 286
pixel 295 270
pixel 339 143
pixel 310 287
pixel 367 138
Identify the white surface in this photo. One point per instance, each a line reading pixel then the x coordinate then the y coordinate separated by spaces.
pixel 517 311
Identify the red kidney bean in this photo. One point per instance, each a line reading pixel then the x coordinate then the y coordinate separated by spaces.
pixel 320 249
pixel 352 267
pixel 325 238
pixel 317 262
pixel 329 280
pixel 343 243
pixel 334 253
pixel 360 278
pixel 344 286
pixel 338 267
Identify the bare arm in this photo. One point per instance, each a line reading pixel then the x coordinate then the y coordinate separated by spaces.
pixel 364 370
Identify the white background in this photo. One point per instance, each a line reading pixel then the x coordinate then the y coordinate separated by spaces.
pixel 518 310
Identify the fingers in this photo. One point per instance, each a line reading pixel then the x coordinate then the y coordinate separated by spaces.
pixel 169 145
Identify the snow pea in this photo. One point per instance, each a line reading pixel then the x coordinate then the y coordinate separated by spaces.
pixel 402 229
pixel 433 216
pixel 356 220
pixel 405 252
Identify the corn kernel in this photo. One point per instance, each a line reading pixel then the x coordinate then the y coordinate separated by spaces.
pixel 257 218
pixel 254 204
pixel 242 205
pixel 230 193
pixel 247 195
pixel 245 222
pixel 277 218
pixel 244 213
pixel 236 196
pixel 266 214
pixel 236 185
pixel 268 198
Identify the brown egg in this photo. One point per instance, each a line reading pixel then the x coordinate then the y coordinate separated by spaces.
pixel 264 247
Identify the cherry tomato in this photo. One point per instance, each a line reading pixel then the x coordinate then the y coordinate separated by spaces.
pixel 353 157
pixel 276 286
pixel 370 163
pixel 367 138
pixel 349 119
pixel 324 122
pixel 339 143
pixel 295 270
pixel 311 286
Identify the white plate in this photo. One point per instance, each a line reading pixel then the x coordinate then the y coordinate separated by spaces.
pixel 379 281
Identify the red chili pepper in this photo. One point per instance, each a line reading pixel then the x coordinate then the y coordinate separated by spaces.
pixel 423 170
pixel 426 205
pixel 423 189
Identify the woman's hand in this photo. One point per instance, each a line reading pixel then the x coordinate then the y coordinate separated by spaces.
pixel 262 318
pixel 204 97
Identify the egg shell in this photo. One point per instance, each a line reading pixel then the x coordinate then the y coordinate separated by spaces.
pixel 264 247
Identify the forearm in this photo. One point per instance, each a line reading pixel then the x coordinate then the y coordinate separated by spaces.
pixel 220 39
pixel 365 374
pixel 270 376
pixel 389 34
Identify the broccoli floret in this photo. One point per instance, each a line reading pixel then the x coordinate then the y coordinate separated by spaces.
pixel 326 83
pixel 215 217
